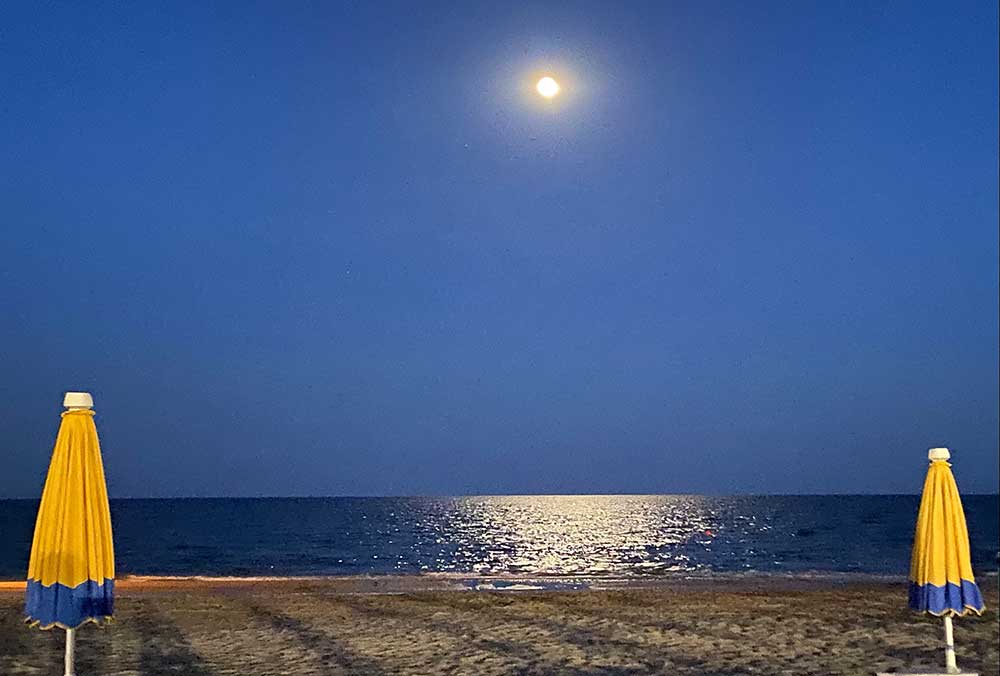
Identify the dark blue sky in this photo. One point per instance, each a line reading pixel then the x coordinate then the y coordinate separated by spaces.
pixel 342 248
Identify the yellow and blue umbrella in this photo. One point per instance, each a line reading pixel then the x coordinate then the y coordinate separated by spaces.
pixel 941 579
pixel 71 571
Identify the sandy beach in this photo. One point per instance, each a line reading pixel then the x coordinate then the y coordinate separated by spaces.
pixel 427 625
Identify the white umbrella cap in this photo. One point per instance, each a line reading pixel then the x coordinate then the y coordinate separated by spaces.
pixel 938 454
pixel 78 400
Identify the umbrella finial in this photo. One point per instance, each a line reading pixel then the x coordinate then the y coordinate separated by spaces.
pixel 78 400
pixel 938 454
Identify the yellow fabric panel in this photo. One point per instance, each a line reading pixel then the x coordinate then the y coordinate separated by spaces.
pixel 72 542
pixel 941 542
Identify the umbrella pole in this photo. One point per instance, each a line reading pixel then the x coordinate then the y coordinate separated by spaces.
pixel 70 652
pixel 949 647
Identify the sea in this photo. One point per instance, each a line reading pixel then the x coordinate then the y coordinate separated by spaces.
pixel 594 536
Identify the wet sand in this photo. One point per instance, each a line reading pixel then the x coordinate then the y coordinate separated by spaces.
pixel 431 625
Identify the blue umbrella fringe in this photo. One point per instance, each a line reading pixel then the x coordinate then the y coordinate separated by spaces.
pixel 948 599
pixel 57 605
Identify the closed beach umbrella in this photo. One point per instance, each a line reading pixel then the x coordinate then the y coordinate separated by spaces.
pixel 72 567
pixel 941 579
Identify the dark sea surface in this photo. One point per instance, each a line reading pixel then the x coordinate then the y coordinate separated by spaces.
pixel 586 535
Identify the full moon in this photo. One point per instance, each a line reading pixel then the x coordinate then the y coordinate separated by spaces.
pixel 547 87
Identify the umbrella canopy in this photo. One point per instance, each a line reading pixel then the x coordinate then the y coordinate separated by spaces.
pixel 941 579
pixel 72 567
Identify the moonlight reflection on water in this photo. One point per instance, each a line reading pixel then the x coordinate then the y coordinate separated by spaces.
pixel 573 535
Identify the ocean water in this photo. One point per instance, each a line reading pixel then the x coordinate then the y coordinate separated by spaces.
pixel 585 535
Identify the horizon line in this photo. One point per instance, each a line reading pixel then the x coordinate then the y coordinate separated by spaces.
pixel 507 495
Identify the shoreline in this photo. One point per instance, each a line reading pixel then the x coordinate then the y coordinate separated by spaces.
pixel 383 584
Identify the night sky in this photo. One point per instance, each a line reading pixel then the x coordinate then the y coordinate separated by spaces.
pixel 345 248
